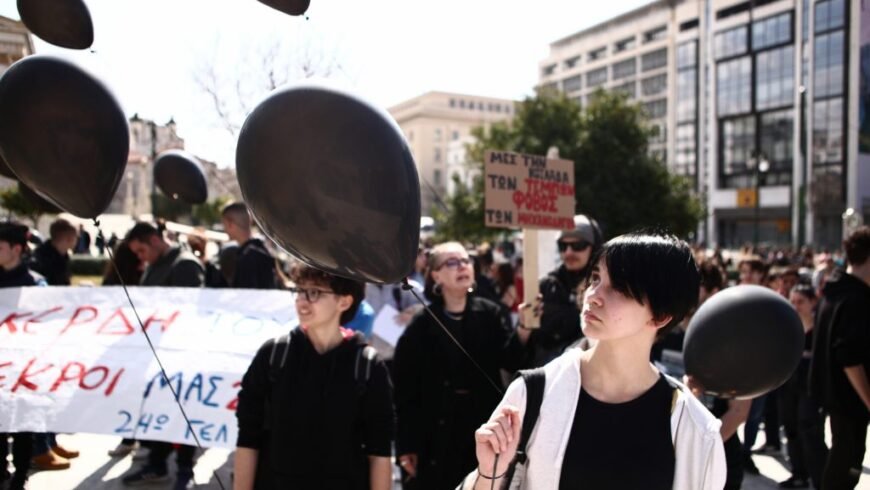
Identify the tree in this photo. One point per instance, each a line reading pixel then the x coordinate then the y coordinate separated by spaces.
pixel 463 219
pixel 617 182
pixel 16 203
pixel 209 213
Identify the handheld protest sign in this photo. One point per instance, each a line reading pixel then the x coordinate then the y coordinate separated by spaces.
pixel 530 192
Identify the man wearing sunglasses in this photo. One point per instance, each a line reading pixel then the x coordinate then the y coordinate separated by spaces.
pixel 558 307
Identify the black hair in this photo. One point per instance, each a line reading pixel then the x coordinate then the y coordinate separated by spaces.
pixel 806 291
pixel 712 278
pixel 127 263
pixel 142 231
pixel 61 227
pixel 654 269
pixel 339 285
pixel 857 246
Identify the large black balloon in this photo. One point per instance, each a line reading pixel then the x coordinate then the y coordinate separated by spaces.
pixel 63 134
pixel 330 178
pixel 37 201
pixel 743 342
pixel 64 23
pixel 292 7
pixel 179 175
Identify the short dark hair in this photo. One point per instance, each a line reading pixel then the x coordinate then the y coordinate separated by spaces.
pixel 857 246
pixel 806 291
pixel 60 227
pixel 14 233
pixel 237 212
pixel 755 264
pixel 142 231
pixel 712 278
pixel 339 285
pixel 655 269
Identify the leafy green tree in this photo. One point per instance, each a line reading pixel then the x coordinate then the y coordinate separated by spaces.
pixel 463 219
pixel 13 201
pixel 617 182
pixel 209 212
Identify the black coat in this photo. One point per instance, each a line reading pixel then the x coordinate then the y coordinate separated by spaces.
pixel 53 265
pixel 441 397
pixel 560 319
pixel 20 276
pixel 255 267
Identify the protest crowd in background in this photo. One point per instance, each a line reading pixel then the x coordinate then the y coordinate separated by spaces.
pixel 420 399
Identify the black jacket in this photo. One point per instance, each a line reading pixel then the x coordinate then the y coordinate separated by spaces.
pixel 175 268
pixel 255 267
pixel 53 265
pixel 320 426
pixel 20 276
pixel 841 339
pixel 441 397
pixel 560 319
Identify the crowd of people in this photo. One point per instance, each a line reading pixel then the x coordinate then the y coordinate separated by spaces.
pixel 331 405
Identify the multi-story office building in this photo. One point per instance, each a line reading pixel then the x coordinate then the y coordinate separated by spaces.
pixel 761 103
pixel 434 120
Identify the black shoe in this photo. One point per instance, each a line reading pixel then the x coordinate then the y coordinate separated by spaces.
pixel 183 480
pixel 794 482
pixel 145 476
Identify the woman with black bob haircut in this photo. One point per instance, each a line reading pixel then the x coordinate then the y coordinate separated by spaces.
pixel 626 425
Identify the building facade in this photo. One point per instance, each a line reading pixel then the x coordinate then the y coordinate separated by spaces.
pixel 757 102
pixel 15 43
pixel 434 124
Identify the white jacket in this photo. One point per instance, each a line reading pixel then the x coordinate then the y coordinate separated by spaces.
pixel 700 454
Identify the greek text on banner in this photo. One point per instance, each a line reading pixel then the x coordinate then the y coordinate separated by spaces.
pixel 73 359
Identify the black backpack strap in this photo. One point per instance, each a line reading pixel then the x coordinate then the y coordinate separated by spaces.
pixel 535 380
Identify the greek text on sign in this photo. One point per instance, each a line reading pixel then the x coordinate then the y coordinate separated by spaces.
pixel 74 359
pixel 528 191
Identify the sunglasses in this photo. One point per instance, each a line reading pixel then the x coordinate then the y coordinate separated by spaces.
pixel 575 246
pixel 454 263
pixel 311 295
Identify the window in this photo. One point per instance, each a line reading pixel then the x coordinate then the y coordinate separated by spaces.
pixel 733 86
pixel 629 89
pixel 438 134
pixel 654 85
pixel 572 62
pixel 737 146
pixel 454 135
pixel 436 177
pixel 462 104
pixel 777 129
pixel 830 14
pixel 828 132
pixel 437 156
pixel 597 77
pixel 572 84
pixel 656 108
pixel 548 70
pixel 471 105
pixel 656 34
pixel 654 59
pixel 774 78
pixel 550 87
pixel 687 54
pixel 597 54
pixel 685 147
pixel 689 24
pixel 771 31
pixel 687 88
pixel 730 43
pixel 452 102
pixel 624 45
pixel 828 68
pixel 624 69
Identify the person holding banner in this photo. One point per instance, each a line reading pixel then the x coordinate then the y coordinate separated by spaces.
pixel 315 408
pixel 15 273
pixel 169 266
pixel 560 317
pixel 441 396
pixel 608 418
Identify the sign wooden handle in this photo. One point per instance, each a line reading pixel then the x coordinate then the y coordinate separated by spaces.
pixel 530 277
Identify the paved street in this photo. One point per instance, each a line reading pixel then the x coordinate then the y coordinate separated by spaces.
pixel 94 470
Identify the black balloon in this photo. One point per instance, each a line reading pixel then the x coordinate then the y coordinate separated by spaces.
pixel 64 23
pixel 292 7
pixel 330 179
pixel 37 201
pixel 179 175
pixel 743 342
pixel 63 134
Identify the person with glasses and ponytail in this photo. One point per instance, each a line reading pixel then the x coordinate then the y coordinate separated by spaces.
pixel 560 315
pixel 444 391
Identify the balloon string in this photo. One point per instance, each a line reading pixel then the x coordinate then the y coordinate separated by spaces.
pixel 153 350
pixel 407 287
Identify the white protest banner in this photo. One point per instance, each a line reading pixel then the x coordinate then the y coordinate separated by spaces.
pixel 74 359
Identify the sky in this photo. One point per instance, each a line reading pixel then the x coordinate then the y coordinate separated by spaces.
pixel 151 53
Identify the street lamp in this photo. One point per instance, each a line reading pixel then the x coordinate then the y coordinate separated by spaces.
pixel 759 164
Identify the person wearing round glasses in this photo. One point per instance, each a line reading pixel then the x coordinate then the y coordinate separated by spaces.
pixel 316 406
pixel 441 396
pixel 558 307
